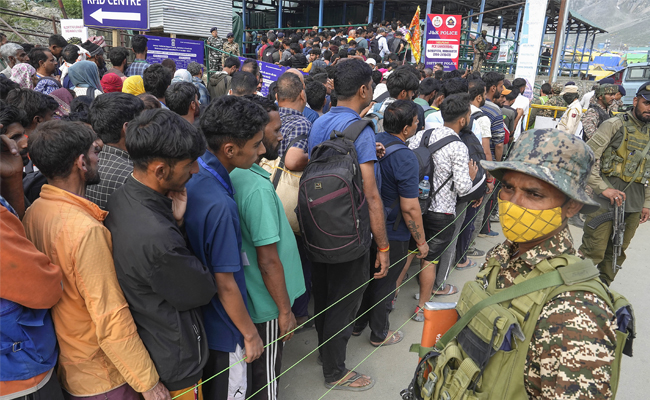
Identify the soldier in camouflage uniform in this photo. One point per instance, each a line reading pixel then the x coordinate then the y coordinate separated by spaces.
pixel 572 348
pixel 619 174
pixel 554 100
pixel 231 47
pixel 618 100
pixel 597 113
pixel 480 46
pixel 215 56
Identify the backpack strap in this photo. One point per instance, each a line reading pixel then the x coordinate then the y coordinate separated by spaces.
pixel 392 148
pixel 435 146
pixel 278 173
pixel 353 131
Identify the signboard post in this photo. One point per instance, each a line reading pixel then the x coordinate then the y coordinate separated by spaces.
pixel 442 41
pixel 530 42
pixel 182 51
pixel 116 14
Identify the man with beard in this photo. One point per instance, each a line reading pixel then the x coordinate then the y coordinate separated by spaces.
pixel 274 276
pixel 163 282
pixel 597 112
pixel 108 357
pixel 621 144
pixel 12 54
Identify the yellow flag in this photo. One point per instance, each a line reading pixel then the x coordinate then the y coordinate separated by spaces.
pixel 414 35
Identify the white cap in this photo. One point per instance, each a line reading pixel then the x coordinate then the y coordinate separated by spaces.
pixel 371 61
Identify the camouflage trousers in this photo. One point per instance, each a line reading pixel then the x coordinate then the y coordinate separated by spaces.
pixel 215 61
pixel 597 243
pixel 478 63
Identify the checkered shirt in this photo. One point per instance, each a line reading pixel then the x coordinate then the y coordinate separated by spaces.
pixel 293 124
pixel 137 67
pixel 115 166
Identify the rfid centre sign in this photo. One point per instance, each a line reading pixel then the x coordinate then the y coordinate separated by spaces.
pixel 116 14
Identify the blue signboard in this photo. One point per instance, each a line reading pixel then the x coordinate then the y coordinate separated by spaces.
pixel 270 73
pixel 182 51
pixel 116 14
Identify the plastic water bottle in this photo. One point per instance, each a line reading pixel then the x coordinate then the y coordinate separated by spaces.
pixel 425 188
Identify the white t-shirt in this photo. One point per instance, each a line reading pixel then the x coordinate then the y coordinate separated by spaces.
pixel 481 126
pixel 586 99
pixel 524 103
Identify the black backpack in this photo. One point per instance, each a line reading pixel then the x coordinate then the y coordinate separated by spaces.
pixel 332 209
pixel 267 56
pixel 476 153
pixel 423 153
pixel 374 45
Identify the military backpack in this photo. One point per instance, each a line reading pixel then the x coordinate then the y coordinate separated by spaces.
pixel 483 355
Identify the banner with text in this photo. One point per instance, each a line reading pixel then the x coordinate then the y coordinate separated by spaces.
pixel 182 51
pixel 530 41
pixel 74 28
pixel 442 40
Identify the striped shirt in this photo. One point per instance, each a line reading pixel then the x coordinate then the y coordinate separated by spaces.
pixel 493 112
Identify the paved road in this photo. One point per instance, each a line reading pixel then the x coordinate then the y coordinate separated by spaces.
pixel 393 366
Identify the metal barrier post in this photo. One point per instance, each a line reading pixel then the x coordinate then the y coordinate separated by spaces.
pixel 371 6
pixel 480 17
pixel 517 33
pixel 584 47
pixel 575 49
pixel 320 13
pixel 428 7
pixel 345 11
pixel 279 13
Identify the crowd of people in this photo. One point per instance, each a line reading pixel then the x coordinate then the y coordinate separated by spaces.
pixel 154 239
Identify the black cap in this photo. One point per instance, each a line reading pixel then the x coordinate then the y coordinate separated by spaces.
pixel 213 29
pixel 644 91
pixel 229 35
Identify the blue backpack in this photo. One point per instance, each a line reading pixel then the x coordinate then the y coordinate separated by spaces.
pixel 27 342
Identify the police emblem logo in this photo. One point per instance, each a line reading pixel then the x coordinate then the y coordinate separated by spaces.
pixel 437 21
pixel 451 22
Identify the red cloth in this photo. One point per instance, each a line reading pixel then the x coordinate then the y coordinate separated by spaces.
pixel 111 83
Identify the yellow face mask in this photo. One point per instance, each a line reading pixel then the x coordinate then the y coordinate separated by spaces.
pixel 521 225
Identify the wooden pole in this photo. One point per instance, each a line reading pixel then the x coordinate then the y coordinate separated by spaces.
pixel 116 38
pixel 559 32
pixel 14 31
pixel 54 26
pixel 65 15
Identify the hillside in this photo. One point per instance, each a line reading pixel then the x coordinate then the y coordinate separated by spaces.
pixel 625 20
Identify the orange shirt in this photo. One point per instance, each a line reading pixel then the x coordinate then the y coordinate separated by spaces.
pixel 99 345
pixel 28 278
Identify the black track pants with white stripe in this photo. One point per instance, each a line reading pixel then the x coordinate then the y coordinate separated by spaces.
pixel 268 366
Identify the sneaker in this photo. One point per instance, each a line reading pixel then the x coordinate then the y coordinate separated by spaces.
pixel 489 234
pixel 494 218
pixel 475 253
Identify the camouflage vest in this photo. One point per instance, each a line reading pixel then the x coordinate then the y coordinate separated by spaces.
pixel 602 114
pixel 485 358
pixel 631 160
pixel 481 45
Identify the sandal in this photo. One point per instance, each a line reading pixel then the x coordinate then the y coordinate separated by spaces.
pixel 470 264
pixel 345 384
pixel 393 337
pixel 418 316
pixel 447 291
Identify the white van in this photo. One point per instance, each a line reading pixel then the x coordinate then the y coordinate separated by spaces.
pixel 634 76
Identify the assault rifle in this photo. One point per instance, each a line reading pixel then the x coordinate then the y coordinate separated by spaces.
pixel 617 216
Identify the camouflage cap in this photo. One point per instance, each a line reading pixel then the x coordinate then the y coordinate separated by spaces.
pixel 555 157
pixel 557 88
pixel 483 32
pixel 606 89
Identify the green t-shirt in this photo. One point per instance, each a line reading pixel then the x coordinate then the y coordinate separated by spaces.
pixel 263 222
